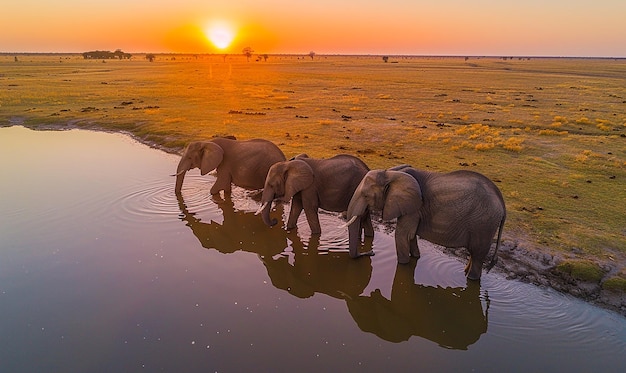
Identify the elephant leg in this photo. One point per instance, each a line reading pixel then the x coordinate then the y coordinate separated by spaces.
pixel 294 213
pixel 478 252
pixel 474 269
pixel 468 265
pixel 406 230
pixel 313 219
pixel 223 182
pixel 402 248
pixel 415 250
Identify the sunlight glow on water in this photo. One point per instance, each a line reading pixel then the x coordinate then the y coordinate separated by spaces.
pixel 102 268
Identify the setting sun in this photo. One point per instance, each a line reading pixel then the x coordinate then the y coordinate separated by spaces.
pixel 221 34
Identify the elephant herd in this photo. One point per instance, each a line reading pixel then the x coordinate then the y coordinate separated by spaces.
pixel 456 209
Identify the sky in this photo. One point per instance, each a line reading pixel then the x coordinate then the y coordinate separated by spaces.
pixel 572 28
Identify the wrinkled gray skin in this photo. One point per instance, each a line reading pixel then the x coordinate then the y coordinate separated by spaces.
pixel 456 209
pixel 316 183
pixel 243 163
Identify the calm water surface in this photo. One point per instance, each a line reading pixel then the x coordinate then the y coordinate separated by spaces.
pixel 103 269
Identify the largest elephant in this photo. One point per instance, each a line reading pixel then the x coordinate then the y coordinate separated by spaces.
pixel 456 209
pixel 312 184
pixel 241 162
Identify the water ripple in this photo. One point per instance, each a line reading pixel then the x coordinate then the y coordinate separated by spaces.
pixel 545 314
pixel 515 310
pixel 155 199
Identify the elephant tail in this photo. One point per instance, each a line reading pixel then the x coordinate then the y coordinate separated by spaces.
pixel 494 258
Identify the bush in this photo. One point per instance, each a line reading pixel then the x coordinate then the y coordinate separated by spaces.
pixel 616 284
pixel 583 270
pixel 514 144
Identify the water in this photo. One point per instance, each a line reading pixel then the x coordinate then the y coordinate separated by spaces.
pixel 103 269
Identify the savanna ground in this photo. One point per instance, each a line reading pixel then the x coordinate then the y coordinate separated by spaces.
pixel 550 132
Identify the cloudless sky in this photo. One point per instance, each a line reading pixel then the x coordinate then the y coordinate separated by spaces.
pixel 412 27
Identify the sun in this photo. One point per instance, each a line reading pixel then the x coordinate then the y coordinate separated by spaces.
pixel 221 34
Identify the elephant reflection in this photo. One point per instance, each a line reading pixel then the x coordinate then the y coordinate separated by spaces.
pixel 240 231
pixel 451 317
pixel 312 271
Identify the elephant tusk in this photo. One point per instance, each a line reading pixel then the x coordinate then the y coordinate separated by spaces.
pixel 179 173
pixel 349 222
pixel 263 206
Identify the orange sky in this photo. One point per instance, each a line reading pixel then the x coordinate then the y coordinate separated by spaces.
pixel 417 27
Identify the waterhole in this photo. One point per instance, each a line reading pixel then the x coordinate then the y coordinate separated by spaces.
pixel 103 268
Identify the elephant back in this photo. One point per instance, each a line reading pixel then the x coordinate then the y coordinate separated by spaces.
pixel 336 179
pixel 248 161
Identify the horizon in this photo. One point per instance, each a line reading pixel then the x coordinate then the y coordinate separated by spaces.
pixel 2 53
pixel 560 28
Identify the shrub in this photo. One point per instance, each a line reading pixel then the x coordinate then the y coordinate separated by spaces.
pixel 485 146
pixel 616 284
pixel 583 270
pixel 514 144
pixel 552 133
pixel 583 120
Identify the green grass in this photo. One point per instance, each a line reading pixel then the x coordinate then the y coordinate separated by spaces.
pixel 615 284
pixel 583 270
pixel 550 132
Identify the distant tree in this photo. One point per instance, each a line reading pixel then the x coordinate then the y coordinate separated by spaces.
pixel 386 59
pixel 106 55
pixel 265 57
pixel 311 54
pixel 121 55
pixel 150 57
pixel 247 51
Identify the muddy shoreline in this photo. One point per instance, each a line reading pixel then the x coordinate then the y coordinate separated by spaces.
pixel 517 260
pixel 523 263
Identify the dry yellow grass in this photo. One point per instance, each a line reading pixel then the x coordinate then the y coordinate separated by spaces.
pixel 551 132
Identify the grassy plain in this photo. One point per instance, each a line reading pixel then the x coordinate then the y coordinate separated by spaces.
pixel 550 132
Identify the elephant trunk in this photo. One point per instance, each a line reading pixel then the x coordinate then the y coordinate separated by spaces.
pixel 266 200
pixel 354 238
pixel 181 170
pixel 179 182
pixel 356 209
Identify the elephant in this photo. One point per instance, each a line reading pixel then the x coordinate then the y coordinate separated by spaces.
pixel 316 183
pixel 457 209
pixel 241 162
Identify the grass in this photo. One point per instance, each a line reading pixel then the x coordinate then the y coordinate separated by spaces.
pixel 616 284
pixel 583 270
pixel 550 132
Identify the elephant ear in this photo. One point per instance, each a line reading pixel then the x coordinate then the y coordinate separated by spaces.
pixel 298 176
pixel 402 195
pixel 212 156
